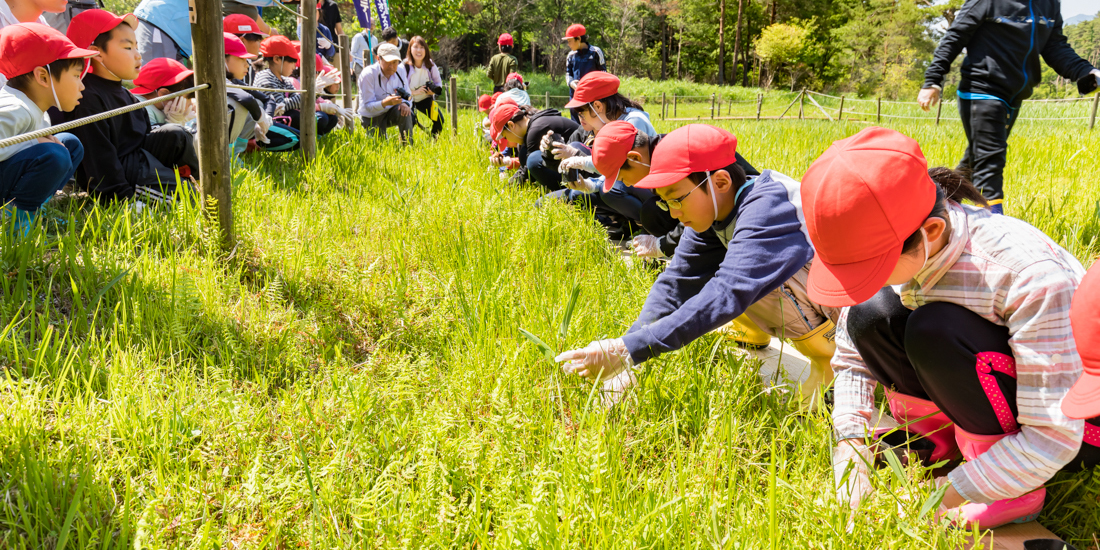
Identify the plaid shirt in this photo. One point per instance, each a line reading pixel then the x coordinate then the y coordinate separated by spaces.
pixel 267 79
pixel 1013 275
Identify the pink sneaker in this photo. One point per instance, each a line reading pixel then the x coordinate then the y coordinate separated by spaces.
pixel 1021 509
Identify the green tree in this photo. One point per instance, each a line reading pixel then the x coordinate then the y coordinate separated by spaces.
pixel 784 46
pixel 885 46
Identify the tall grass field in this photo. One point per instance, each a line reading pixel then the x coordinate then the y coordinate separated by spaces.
pixel 352 373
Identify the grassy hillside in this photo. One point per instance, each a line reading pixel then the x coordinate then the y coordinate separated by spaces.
pixel 352 375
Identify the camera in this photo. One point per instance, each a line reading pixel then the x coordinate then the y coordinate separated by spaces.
pixel 401 92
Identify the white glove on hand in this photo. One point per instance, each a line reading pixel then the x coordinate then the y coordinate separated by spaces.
pixel 928 98
pixel 179 111
pixel 571 163
pixel 328 108
pixel 852 458
pixel 262 127
pixel 347 114
pixel 563 151
pixel 280 108
pixel 1096 73
pixel 647 246
pixel 324 80
pixel 585 185
pixel 573 84
pixel 324 43
pixel 546 142
pixel 615 388
pixel 597 361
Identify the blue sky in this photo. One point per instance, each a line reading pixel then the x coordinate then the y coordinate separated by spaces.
pixel 1076 7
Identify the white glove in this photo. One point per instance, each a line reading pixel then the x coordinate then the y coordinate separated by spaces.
pixel 347 114
pixel 324 80
pixel 1096 73
pixel 328 108
pixel 546 143
pixel 573 84
pixel 571 163
pixel 563 151
pixel 280 108
pixel 179 111
pixel 262 127
pixel 615 388
pixel 647 246
pixel 585 185
pixel 852 458
pixel 324 43
pixel 598 361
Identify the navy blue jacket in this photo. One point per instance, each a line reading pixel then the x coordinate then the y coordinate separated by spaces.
pixel 581 62
pixel 1003 41
pixel 708 284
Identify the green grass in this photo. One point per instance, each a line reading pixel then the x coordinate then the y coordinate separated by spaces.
pixel 352 374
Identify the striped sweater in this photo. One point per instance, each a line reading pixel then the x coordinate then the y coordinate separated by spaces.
pixel 1013 275
pixel 267 79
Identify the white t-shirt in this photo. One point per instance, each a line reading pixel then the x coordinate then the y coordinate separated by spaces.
pixel 417 78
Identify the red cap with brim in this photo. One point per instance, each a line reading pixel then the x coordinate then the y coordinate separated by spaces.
pixel 862 199
pixel 240 24
pixel 86 26
pixel 505 40
pixel 25 46
pixel 235 46
pixel 691 148
pixel 575 30
pixel 609 150
pixel 593 86
pixel 500 116
pixel 161 72
pixel 1083 400
pixel 485 102
pixel 279 46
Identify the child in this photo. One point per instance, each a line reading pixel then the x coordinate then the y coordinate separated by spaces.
pixel 281 57
pixel 582 58
pixel 125 158
pixel 745 255
pixel 243 27
pixel 524 127
pixel 247 118
pixel 516 90
pixel 424 82
pixel 158 78
pixel 963 317
pixel 43 69
pixel 503 63
pixel 1003 41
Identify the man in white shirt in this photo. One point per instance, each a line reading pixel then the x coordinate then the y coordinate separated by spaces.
pixel 384 98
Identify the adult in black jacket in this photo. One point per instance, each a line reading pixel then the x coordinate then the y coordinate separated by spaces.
pixel 1003 41
pixel 524 127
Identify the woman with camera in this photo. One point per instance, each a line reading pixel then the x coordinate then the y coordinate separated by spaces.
pixel 424 82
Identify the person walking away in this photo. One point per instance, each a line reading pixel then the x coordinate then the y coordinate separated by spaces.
pixel 503 63
pixel 1003 40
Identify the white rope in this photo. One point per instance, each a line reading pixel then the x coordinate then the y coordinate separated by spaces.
pixel 94 118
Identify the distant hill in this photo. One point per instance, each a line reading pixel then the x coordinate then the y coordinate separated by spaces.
pixel 1078 19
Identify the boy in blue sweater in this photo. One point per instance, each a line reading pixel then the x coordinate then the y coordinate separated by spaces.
pixel 744 255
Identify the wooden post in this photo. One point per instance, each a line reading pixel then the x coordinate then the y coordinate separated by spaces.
pixel 712 106
pixel 209 59
pixel 939 111
pixel 759 104
pixel 452 91
pixel 840 116
pixel 477 92
pixel 1092 117
pixel 729 108
pixel 664 105
pixel 547 100
pixel 307 120
pixel 878 114
pixel 345 71
pixel 675 105
pixel 801 102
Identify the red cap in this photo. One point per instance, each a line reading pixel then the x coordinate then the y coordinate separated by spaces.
pixel 688 149
pixel 161 72
pixel 593 86
pixel 86 26
pixel 1083 400
pixel 505 40
pixel 485 102
pixel 514 76
pixel 500 116
pixel 495 96
pixel 862 198
pixel 234 46
pixel 278 46
pixel 319 63
pixel 609 150
pixel 240 24
pixel 575 30
pixel 28 45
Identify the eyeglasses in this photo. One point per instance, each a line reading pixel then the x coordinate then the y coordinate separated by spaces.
pixel 677 204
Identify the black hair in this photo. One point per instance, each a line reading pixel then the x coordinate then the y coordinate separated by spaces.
pixel 640 140
pixel 252 37
pixel 103 38
pixel 583 38
pixel 615 106
pixel 523 112
pixel 736 172
pixel 514 84
pixel 950 185
pixel 506 48
pixel 23 81
pixel 389 33
pixel 182 85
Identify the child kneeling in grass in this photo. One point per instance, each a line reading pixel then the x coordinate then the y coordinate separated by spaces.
pixel 126 157
pixel 962 315
pixel 745 255
pixel 43 69
pixel 523 128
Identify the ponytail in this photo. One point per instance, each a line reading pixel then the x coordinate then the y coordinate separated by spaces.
pixel 951 185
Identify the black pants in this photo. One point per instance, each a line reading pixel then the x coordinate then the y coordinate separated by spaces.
pixel 932 353
pixel 165 149
pixel 425 106
pixel 987 123
pixel 325 123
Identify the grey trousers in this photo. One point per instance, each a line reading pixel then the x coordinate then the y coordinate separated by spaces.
pixel 391 117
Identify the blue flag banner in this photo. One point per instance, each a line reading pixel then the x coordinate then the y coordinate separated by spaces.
pixel 362 12
pixel 383 13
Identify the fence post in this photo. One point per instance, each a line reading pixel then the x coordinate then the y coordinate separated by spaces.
pixel 308 120
pixel 477 92
pixel 840 115
pixel 675 110
pixel 801 102
pixel 712 106
pixel 453 92
pixel 213 153
pixel 1095 104
pixel 664 105
pixel 547 100
pixel 878 114
pixel 759 104
pixel 939 110
pixel 729 107
pixel 345 71
pixel 719 107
